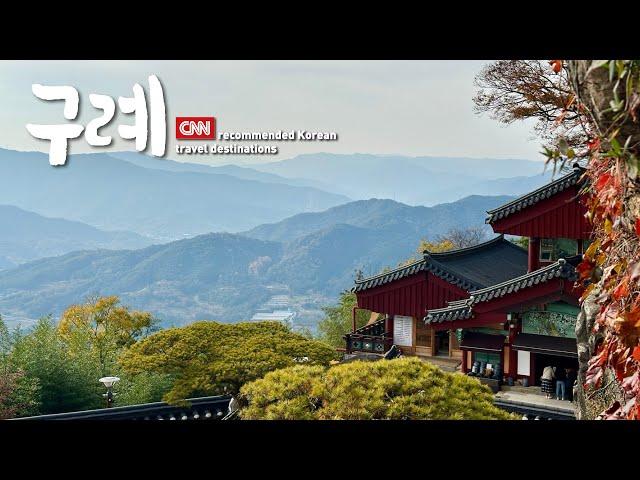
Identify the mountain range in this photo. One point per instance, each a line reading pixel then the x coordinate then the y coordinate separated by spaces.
pixel 140 227
pixel 227 276
pixel 394 218
pixel 412 180
pixel 113 194
pixel 244 173
pixel 168 200
pixel 26 236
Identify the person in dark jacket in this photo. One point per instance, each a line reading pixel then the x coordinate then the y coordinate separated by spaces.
pixel 569 382
pixel 561 377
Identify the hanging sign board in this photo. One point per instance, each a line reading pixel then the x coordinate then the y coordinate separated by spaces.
pixel 403 331
pixel 524 363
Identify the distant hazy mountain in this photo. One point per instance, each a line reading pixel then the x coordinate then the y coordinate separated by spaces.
pixel 513 186
pixel 411 180
pixel 224 276
pixel 384 215
pixel 211 276
pixel 325 261
pixel 323 250
pixel 436 179
pixel 26 236
pixel 245 173
pixel 114 194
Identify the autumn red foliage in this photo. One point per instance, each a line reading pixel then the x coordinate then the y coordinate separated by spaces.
pixel 589 111
pixel 612 265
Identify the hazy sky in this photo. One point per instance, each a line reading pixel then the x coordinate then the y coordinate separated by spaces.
pixel 385 107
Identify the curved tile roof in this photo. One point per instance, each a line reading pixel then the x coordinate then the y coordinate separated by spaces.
pixel 459 310
pixel 468 268
pixel 463 309
pixel 390 276
pixel 542 193
pixel 202 408
pixel 482 265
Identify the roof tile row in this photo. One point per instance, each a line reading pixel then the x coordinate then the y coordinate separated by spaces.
pixel 542 193
pixel 390 276
pixel 465 268
pixel 463 309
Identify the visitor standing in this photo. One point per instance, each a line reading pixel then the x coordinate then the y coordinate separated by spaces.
pixel 548 374
pixel 561 377
pixel 570 382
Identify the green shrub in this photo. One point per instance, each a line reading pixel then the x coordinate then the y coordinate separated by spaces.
pixel 402 389
pixel 210 358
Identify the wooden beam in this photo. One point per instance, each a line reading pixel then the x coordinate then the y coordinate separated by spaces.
pixel 477 321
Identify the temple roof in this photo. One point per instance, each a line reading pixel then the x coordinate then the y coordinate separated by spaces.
pixel 469 268
pixel 458 310
pixel 202 408
pixel 463 309
pixel 542 193
pixel 390 276
pixel 482 265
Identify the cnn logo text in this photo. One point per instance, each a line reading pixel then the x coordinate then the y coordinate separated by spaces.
pixel 195 128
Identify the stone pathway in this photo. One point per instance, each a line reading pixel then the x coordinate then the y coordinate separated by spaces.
pixel 445 363
pixel 535 400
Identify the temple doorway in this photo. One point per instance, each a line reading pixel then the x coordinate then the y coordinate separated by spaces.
pixel 442 343
pixel 542 361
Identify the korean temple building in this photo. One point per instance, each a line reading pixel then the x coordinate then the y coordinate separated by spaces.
pixel 491 304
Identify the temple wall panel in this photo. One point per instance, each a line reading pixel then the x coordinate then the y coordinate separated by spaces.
pixel 410 296
pixel 561 216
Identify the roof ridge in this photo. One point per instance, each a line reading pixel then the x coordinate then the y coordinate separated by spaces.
pixel 461 278
pixel 550 267
pixel 390 272
pixel 450 306
pixel 437 265
pixel 463 308
pixel 464 250
pixel 576 174
pixel 540 189
pixel 515 245
pixel 454 303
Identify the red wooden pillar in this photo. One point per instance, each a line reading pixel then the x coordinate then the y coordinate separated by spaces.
pixel 388 327
pixel 532 372
pixel 513 363
pixel 514 326
pixel 534 254
pixel 464 361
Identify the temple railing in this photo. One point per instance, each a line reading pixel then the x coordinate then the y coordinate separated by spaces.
pixel 376 328
pixel 370 338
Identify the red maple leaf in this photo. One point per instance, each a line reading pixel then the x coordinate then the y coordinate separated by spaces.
pixel 638 226
pixel 556 65
pixel 622 290
pixel 603 181
pixel 585 269
pixel 633 316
